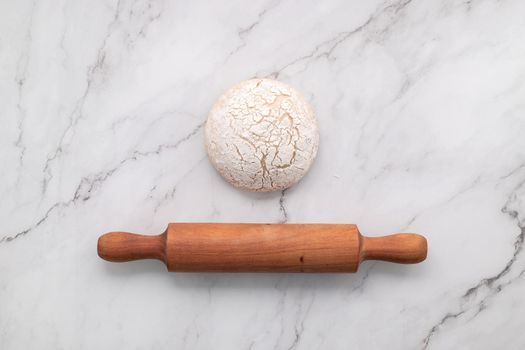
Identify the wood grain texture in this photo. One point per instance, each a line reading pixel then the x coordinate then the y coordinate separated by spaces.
pixel 271 247
pixel 199 247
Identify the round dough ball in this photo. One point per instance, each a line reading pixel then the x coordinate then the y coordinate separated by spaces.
pixel 262 135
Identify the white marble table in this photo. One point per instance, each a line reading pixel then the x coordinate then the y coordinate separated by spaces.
pixel 421 106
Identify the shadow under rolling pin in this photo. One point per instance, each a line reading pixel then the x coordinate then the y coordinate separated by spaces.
pixel 213 247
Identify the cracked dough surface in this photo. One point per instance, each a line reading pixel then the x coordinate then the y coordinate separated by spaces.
pixel 262 135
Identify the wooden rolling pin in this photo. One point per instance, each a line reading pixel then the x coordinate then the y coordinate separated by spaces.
pixel 195 247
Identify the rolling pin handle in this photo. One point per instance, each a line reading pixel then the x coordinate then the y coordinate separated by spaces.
pixel 124 246
pixel 401 248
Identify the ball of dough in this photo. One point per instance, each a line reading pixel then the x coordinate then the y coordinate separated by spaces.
pixel 262 135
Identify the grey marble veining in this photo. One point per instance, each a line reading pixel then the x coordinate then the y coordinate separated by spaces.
pixel 422 121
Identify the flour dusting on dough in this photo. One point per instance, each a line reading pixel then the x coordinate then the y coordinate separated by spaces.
pixel 262 135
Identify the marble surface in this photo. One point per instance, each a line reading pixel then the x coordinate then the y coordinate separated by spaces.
pixel 421 106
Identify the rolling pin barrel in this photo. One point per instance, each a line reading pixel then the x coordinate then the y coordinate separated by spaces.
pixel 196 247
